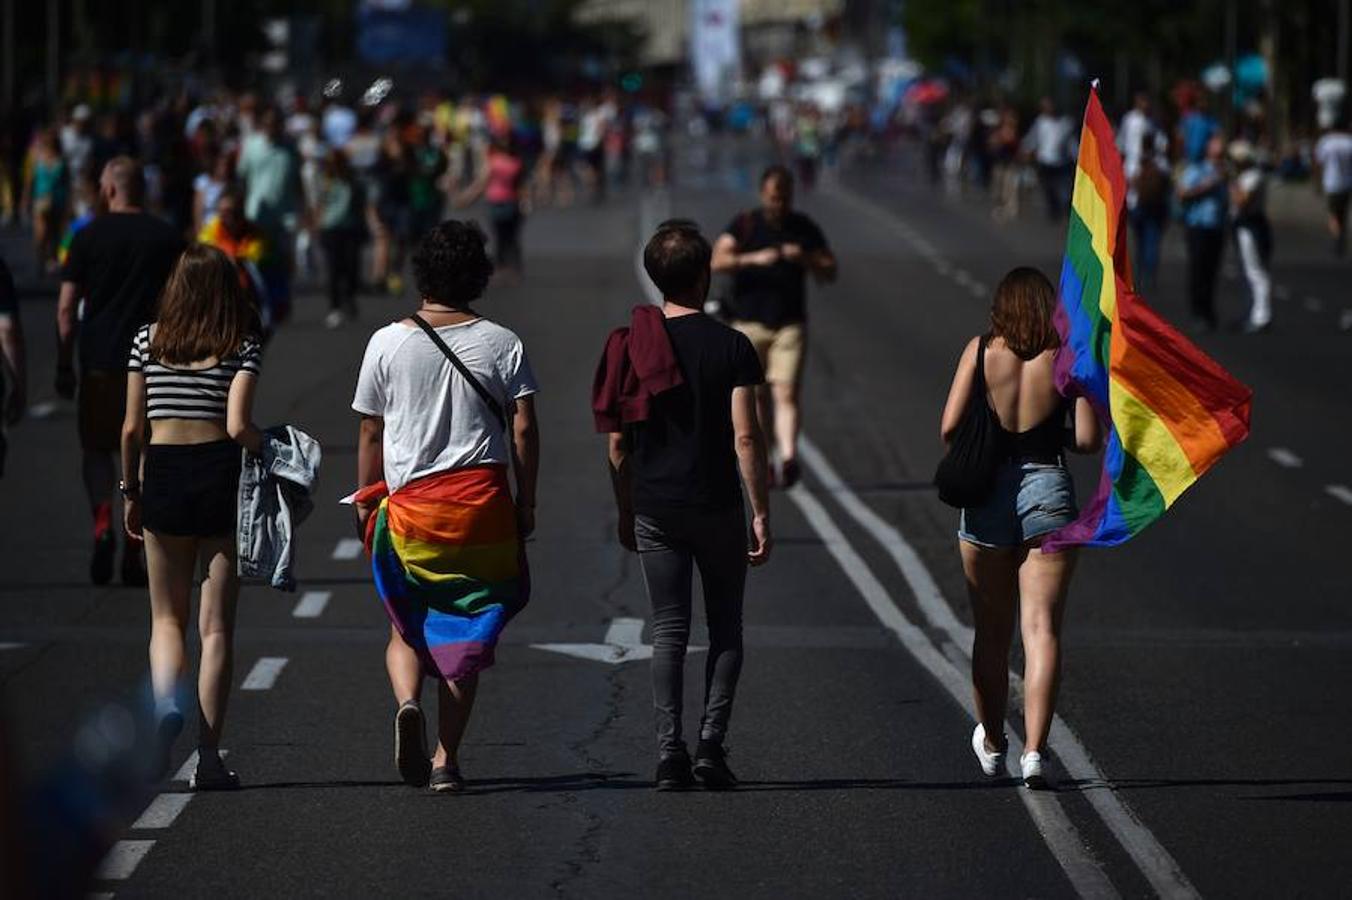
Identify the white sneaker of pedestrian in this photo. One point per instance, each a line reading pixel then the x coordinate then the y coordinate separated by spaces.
pixel 1031 764
pixel 335 319
pixel 992 761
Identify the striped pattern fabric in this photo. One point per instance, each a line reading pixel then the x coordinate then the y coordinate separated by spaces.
pixel 448 565
pixel 178 393
pixel 1171 411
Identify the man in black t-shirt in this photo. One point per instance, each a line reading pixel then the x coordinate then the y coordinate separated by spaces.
pixel 118 265
pixel 678 474
pixel 13 365
pixel 770 252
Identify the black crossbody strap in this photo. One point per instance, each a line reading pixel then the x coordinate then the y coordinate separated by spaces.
pixel 463 369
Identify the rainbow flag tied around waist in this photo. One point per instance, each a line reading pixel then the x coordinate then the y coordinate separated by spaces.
pixel 449 565
pixel 1170 410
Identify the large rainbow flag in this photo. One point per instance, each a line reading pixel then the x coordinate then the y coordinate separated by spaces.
pixel 1171 411
pixel 448 565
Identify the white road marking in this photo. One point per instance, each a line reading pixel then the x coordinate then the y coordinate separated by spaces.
pixel 190 765
pixel 43 410
pixel 1155 863
pixel 122 860
pixel 10 645
pixel 311 604
pixel 1084 871
pixel 264 673
pixel 1340 491
pixel 347 548
pixel 623 643
pixel 1285 458
pixel 1345 320
pixel 102 895
pixel 162 811
pixel 1313 304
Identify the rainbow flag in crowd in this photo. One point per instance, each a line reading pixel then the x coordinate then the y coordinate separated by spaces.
pixel 448 565
pixel 1171 411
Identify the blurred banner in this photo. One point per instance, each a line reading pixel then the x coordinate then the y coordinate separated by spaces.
pixel 715 47
pixel 393 31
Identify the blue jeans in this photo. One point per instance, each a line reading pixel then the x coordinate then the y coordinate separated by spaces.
pixel 1148 229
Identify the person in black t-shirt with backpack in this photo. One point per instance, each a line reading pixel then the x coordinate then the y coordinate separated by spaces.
pixel 770 251
pixel 675 393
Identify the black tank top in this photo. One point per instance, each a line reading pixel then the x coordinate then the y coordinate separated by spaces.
pixel 1044 442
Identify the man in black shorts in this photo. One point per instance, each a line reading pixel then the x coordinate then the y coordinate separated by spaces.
pixel 118 265
pixel 770 252
pixel 675 393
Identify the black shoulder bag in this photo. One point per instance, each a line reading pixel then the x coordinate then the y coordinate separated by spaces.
pixel 967 471
pixel 463 369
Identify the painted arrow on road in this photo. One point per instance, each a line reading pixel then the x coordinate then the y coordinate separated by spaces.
pixel 623 643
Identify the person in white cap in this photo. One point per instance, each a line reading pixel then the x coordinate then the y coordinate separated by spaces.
pixel 1253 233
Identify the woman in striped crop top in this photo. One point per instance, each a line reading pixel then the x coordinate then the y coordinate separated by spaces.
pixel 190 384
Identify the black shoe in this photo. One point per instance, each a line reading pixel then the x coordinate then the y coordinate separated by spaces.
pixel 410 745
pixel 711 767
pixel 133 566
pixel 446 780
pixel 101 564
pixel 673 773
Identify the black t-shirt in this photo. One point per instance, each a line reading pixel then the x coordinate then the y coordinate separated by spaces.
pixel 683 454
pixel 121 262
pixel 773 295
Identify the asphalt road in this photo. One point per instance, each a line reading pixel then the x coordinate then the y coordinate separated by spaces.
pixel 1203 750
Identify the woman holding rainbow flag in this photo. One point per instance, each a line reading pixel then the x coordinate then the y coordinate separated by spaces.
pixel 438 394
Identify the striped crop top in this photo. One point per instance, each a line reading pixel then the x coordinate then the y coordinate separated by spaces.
pixel 176 393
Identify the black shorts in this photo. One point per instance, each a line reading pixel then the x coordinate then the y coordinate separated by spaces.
pixel 191 490
pixel 1338 205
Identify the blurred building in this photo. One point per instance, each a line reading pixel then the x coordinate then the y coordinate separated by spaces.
pixel 771 29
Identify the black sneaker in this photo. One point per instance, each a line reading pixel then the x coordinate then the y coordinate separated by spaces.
pixel 673 773
pixel 101 563
pixel 410 745
pixel 711 767
pixel 133 566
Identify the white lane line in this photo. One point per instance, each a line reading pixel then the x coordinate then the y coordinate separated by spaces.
pixel 10 645
pixel 1313 304
pixel 122 860
pixel 190 765
pixel 311 604
pixel 1345 320
pixel 347 548
pixel 162 811
pixel 102 895
pixel 1084 871
pixel 1155 863
pixel 43 410
pixel 625 632
pixel 264 673
pixel 1339 491
pixel 1285 458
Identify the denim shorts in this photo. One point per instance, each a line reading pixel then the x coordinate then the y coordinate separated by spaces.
pixel 1027 501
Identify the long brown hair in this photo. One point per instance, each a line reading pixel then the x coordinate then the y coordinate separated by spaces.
pixel 204 311
pixel 1022 312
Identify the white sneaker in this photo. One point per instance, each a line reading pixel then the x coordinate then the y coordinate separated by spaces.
pixel 1031 763
pixel 992 763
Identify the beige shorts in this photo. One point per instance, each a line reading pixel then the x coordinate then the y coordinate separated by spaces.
pixel 781 350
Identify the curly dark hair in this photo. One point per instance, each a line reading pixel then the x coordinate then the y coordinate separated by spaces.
pixel 451 265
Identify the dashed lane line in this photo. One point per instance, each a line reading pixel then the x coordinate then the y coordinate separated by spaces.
pixel 264 673
pixel 162 811
pixel 1285 458
pixel 1339 492
pixel 347 548
pixel 121 861
pixel 10 645
pixel 190 765
pixel 311 604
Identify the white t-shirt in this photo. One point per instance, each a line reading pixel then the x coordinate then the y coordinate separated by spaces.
pixel 1334 155
pixel 434 419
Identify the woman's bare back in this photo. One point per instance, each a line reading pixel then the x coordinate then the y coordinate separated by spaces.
pixel 1022 393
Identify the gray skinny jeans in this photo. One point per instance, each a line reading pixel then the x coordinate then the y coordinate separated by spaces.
pixel 670 545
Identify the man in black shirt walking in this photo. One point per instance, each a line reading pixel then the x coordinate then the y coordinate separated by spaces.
pixel 686 434
pixel 118 265
pixel 770 252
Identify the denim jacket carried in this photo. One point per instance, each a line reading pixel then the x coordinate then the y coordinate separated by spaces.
pixel 274 498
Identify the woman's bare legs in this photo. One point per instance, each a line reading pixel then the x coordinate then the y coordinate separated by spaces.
pixel 1044 579
pixel 990 587
pixel 216 624
pixel 456 701
pixel 169 566
pixel 404 668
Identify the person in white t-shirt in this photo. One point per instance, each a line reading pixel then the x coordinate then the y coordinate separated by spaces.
pixel 1333 156
pixel 447 405
pixel 1253 233
pixel 1051 144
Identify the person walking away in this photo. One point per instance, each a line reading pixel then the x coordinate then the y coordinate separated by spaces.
pixel 13 361
pixel 675 394
pixel 770 251
pixel 447 402
pixel 1004 153
pixel 500 181
pixel 209 186
pixel 1333 158
pixel 247 246
pixel 394 173
pixel 1147 175
pixel 1050 142
pixel 1202 192
pixel 46 196
pixel 1011 369
pixel 191 379
pixel 342 231
pixel 426 199
pixel 273 198
pixel 118 265
pixel 1253 233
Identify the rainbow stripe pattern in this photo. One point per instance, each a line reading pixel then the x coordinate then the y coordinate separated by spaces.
pixel 1171 411
pixel 448 565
